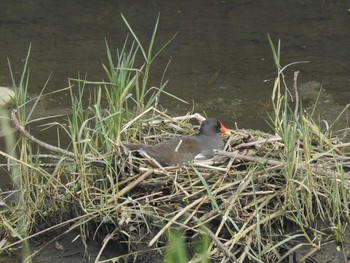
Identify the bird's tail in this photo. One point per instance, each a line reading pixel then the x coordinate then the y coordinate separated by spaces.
pixel 132 147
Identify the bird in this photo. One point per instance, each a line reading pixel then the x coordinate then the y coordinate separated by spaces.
pixel 197 147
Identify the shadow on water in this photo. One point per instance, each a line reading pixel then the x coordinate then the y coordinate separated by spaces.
pixel 221 62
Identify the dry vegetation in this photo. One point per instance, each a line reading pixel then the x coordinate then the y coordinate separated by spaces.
pixel 250 200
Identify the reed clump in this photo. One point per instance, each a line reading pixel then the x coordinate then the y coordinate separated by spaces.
pixel 262 199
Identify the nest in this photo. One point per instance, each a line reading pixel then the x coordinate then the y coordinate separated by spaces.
pixel 246 199
pixel 244 189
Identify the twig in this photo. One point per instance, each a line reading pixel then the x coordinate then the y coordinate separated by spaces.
pixel 46 145
pixel 215 239
pixel 135 119
pixel 249 158
pixel 204 165
pixel 130 186
pixel 168 119
pixel 296 73
pixel 262 141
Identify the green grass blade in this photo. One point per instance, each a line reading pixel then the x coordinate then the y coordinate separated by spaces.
pixel 150 48
pixel 135 37
pixel 207 188
pixel 275 53
pixel 37 99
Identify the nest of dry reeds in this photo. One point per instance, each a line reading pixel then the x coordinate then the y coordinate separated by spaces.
pixel 259 198
pixel 246 200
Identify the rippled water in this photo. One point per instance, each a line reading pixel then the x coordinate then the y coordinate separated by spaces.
pixel 220 61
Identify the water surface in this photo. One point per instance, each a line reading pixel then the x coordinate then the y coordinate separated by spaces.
pixel 224 39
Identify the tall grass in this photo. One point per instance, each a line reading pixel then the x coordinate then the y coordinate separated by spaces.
pixel 312 196
pixel 15 217
pixel 96 127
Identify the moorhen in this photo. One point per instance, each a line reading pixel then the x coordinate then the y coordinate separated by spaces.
pixel 198 147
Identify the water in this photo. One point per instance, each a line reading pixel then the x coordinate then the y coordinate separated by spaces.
pixel 224 37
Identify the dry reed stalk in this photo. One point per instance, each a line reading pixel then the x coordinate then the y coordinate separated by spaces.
pixel 129 187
